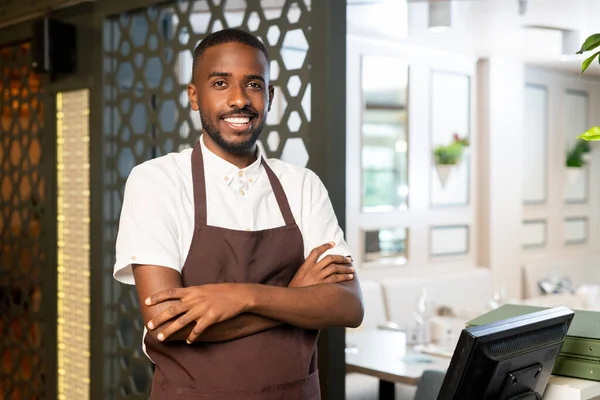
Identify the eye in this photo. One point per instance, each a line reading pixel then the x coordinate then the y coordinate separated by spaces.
pixel 219 83
pixel 255 85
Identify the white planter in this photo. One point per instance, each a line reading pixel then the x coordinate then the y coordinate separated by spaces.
pixel 576 184
pixel 444 171
pixel 575 175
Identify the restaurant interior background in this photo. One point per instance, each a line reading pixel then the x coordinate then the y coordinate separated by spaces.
pixel 444 130
pixel 509 215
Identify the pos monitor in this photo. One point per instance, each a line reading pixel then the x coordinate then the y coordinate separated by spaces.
pixel 510 359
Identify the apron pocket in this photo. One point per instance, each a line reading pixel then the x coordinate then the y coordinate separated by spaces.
pixel 306 388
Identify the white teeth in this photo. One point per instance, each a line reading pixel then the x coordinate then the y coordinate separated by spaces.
pixel 237 121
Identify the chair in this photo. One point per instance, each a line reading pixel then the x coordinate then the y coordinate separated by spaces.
pixel 429 385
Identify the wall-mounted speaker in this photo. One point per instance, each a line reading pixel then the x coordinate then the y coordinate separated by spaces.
pixel 54 47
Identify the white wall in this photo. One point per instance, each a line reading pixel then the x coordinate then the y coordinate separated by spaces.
pixel 554 208
pixel 500 156
pixel 501 130
pixel 437 218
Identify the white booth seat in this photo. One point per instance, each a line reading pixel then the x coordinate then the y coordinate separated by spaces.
pixel 580 269
pixel 374 304
pixel 467 292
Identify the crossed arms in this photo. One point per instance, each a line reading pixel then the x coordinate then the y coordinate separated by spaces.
pixel 322 294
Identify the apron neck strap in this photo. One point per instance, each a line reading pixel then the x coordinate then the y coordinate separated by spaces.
pixel 199 184
pixel 282 200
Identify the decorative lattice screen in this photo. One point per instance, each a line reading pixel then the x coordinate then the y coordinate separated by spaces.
pixel 147 66
pixel 23 241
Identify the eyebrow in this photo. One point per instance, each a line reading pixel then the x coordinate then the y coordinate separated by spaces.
pixel 228 74
pixel 256 77
pixel 219 74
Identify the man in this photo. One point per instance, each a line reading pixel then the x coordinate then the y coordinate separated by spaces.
pixel 238 261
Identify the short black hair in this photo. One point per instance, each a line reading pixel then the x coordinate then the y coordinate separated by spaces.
pixel 229 35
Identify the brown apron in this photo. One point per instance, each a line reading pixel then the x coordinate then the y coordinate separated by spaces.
pixel 280 363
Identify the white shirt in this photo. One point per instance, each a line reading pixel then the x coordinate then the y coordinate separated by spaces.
pixel 157 218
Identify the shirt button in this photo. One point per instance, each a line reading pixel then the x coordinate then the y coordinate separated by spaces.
pixel 241 173
pixel 226 178
pixel 247 229
pixel 133 258
pixel 242 192
pixel 250 180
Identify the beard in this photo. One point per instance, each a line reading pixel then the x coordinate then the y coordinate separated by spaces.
pixel 236 147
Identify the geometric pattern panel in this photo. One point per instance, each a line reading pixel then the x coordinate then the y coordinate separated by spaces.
pixel 23 260
pixel 73 244
pixel 147 57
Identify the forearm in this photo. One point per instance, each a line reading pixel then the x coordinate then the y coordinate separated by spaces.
pixel 236 328
pixel 312 307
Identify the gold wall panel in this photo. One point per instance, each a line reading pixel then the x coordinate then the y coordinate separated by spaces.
pixel 73 204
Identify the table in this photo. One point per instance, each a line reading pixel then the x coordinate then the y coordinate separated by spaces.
pixel 385 355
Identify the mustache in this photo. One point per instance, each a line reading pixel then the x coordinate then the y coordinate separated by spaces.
pixel 240 111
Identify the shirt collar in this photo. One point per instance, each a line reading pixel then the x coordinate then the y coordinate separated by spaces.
pixel 227 172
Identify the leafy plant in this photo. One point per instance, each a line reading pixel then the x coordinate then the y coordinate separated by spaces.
pixel 590 44
pixel 591 134
pixel 575 156
pixel 452 153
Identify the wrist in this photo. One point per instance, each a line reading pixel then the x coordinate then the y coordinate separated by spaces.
pixel 250 297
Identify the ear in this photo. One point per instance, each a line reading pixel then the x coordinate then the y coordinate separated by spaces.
pixel 271 96
pixel 193 96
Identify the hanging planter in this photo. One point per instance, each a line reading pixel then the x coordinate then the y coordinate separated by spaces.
pixel 448 156
pixel 444 171
pixel 574 175
pixel 577 157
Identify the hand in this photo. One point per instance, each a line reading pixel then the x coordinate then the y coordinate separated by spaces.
pixel 331 269
pixel 205 305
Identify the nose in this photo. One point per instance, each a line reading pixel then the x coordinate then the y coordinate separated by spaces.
pixel 239 98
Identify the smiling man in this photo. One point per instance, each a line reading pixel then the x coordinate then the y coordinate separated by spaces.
pixel 238 260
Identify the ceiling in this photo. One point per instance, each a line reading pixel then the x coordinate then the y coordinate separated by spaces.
pixel 486 27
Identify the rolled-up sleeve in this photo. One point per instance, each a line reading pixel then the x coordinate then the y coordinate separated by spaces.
pixel 147 230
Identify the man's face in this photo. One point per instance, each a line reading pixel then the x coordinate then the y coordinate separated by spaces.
pixel 232 93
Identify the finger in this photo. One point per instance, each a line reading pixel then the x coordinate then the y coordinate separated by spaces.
pixel 169 294
pixel 319 251
pixel 167 315
pixel 339 278
pixel 336 269
pixel 175 326
pixel 334 259
pixel 201 325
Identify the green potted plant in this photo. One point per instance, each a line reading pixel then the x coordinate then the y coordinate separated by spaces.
pixel 578 155
pixel 447 156
pixel 591 43
pixel 577 158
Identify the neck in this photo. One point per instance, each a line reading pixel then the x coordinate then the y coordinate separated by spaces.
pixel 240 160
